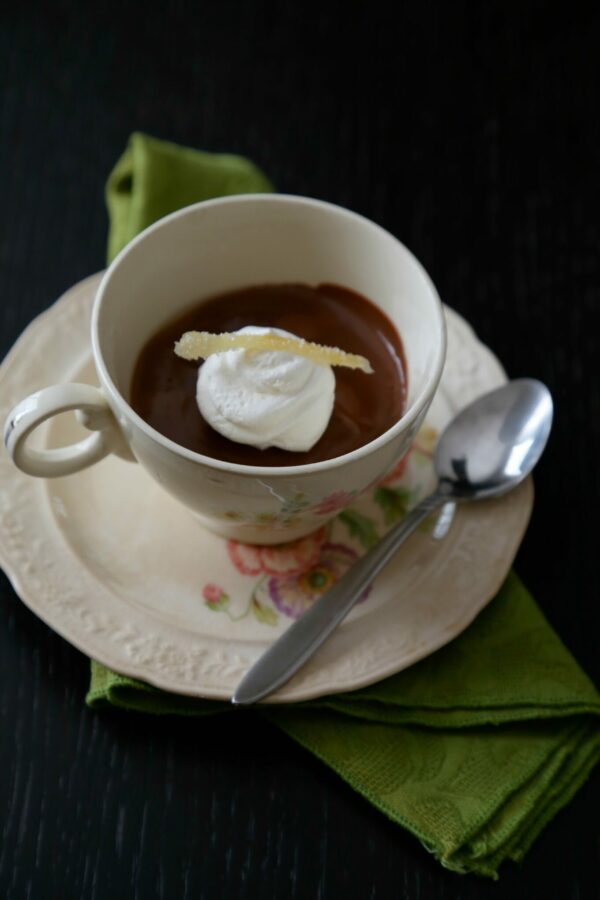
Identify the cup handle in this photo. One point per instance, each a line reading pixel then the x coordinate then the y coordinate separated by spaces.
pixel 92 411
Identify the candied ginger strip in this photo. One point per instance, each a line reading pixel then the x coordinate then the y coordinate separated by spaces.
pixel 201 344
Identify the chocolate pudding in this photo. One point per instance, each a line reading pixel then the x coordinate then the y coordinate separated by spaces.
pixel 163 389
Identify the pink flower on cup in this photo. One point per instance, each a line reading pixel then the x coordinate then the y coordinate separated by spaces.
pixel 333 503
pixel 398 471
pixel 214 596
pixel 423 446
pixel 292 558
pixel 294 594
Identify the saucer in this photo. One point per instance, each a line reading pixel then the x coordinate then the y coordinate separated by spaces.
pixel 126 575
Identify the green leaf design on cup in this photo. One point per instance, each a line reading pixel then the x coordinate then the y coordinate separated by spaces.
pixel 394 503
pixel 360 527
pixel 264 614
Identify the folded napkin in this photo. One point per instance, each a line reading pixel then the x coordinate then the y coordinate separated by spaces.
pixel 154 178
pixel 473 749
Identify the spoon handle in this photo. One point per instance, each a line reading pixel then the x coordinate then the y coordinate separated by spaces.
pixel 305 636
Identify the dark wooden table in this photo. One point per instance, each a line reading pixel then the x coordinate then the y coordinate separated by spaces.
pixel 471 134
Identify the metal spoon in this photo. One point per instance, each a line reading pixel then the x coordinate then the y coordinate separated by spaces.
pixel 489 447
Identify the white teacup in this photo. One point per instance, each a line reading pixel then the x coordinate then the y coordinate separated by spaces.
pixel 207 249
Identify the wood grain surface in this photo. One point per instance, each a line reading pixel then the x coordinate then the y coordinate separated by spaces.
pixel 473 134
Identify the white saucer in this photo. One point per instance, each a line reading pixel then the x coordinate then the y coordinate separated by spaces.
pixel 121 571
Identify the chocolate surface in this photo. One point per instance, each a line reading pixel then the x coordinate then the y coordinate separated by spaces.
pixel 163 390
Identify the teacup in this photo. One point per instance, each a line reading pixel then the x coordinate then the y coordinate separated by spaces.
pixel 204 250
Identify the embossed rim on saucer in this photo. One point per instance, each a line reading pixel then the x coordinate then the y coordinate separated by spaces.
pixel 153 645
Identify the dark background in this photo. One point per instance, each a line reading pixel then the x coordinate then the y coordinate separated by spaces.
pixel 471 132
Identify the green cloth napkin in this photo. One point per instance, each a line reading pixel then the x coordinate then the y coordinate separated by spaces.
pixel 474 749
pixel 154 178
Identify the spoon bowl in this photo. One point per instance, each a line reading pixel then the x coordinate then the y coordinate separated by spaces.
pixel 494 443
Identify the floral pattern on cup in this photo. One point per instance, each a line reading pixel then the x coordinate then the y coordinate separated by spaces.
pixel 292 558
pixel 291 512
pixel 423 447
pixel 288 578
pixel 215 597
pixel 333 503
pixel 295 594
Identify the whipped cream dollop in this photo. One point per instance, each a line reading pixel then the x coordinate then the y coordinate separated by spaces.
pixel 267 398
